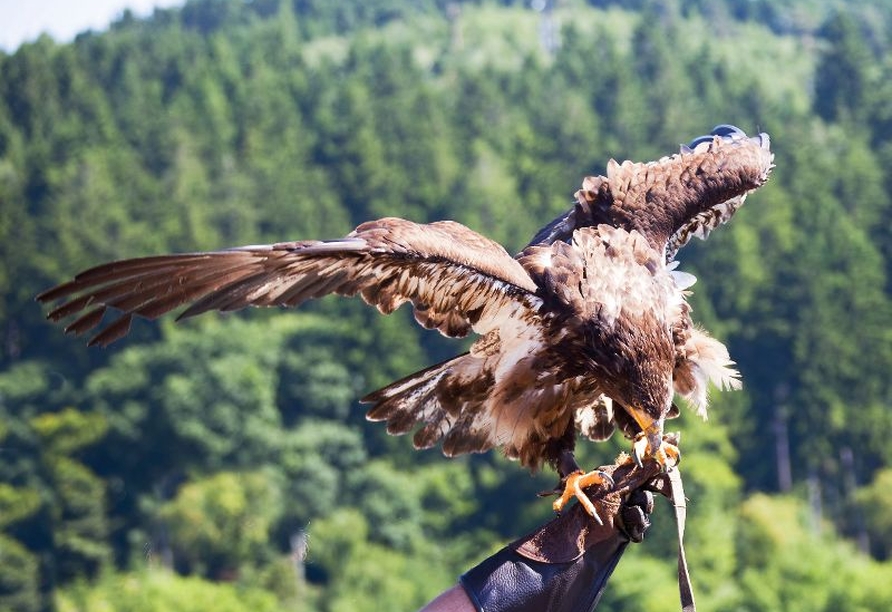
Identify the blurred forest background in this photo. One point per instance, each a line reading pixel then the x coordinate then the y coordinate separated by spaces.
pixel 190 467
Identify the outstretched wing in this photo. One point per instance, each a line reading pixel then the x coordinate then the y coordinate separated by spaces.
pixel 675 198
pixel 456 279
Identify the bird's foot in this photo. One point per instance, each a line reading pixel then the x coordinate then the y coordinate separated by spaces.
pixel 664 452
pixel 574 485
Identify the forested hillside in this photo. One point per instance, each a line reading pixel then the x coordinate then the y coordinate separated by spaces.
pixel 212 447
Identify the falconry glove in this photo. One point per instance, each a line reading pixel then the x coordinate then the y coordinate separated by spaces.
pixel 565 565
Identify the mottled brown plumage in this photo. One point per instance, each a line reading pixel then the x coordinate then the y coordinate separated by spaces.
pixel 669 202
pixel 585 325
pixel 448 272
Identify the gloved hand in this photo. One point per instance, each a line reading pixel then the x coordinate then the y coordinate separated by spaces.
pixel 564 566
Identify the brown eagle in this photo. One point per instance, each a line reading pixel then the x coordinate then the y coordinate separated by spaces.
pixel 586 329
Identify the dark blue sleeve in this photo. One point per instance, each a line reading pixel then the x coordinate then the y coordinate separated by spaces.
pixel 510 582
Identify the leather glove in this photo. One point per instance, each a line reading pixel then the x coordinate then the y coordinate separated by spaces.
pixel 564 566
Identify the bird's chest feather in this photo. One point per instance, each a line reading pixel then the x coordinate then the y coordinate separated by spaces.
pixel 615 305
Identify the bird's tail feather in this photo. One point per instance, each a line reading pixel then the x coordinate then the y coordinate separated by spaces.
pixel 441 398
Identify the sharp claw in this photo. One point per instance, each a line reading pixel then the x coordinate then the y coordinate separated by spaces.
pixel 575 483
pixel 585 501
pixel 668 457
pixel 639 450
pixel 666 453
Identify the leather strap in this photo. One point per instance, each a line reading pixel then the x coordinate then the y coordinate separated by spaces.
pixel 677 498
pixel 670 486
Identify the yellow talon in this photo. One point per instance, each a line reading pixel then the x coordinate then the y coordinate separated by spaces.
pixel 650 443
pixel 666 453
pixel 576 482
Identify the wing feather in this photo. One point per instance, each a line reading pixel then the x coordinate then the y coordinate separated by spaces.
pixel 675 198
pixel 455 278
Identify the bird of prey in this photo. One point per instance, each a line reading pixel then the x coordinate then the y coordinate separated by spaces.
pixel 648 197
pixel 592 309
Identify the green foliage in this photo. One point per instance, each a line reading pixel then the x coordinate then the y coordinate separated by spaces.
pixel 225 123
pixel 317 458
pixel 20 578
pixel 875 502
pixel 80 529
pixel 209 393
pixel 642 583
pixel 842 78
pixel 155 590
pixel 788 564
pixel 16 503
pixel 362 573
pixel 69 430
pixel 223 522
pixel 50 502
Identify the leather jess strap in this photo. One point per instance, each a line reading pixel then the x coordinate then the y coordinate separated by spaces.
pixel 670 485
pixel 676 496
